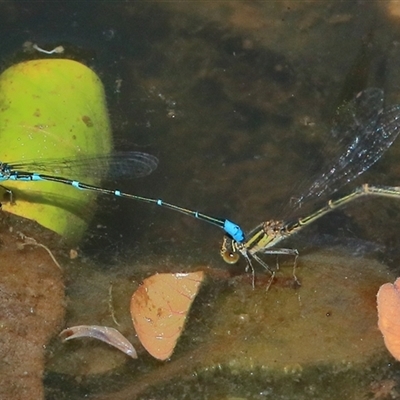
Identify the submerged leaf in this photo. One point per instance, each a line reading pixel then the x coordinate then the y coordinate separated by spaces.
pixel 108 335
pixel 159 309
pixel 388 299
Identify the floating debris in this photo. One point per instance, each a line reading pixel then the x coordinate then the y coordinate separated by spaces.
pixel 29 241
pixel 30 47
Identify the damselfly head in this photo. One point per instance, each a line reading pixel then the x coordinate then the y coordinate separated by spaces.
pixel 229 251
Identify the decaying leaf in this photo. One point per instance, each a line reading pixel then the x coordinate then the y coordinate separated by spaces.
pixel 108 335
pixel 388 299
pixel 159 309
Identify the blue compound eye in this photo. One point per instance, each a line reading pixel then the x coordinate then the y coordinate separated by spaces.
pixel 234 231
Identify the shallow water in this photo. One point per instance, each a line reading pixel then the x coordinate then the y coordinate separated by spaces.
pixel 236 101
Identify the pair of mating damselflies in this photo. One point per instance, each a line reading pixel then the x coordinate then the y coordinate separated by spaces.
pixel 365 127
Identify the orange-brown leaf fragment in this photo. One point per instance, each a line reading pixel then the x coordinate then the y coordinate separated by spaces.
pixel 159 309
pixel 388 300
